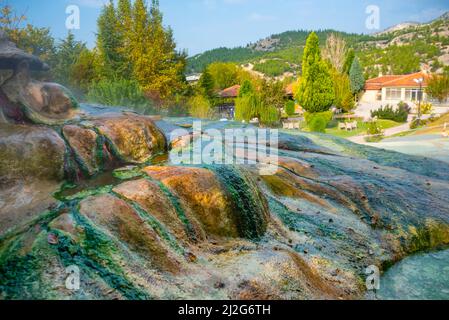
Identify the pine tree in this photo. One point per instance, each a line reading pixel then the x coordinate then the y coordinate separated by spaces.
pixel 158 67
pixel 356 77
pixel 67 54
pixel 124 20
pixel 207 84
pixel 109 42
pixel 316 91
pixel 139 41
pixel 83 71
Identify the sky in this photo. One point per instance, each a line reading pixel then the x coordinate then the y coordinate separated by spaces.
pixel 200 25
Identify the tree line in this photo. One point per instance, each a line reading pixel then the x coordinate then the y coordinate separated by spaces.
pixel 134 53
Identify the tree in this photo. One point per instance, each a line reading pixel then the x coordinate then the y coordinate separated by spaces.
pixel 335 51
pixel 36 41
pixel 83 71
pixel 356 77
pixel 207 84
pixel 67 54
pixel 157 66
pixel 124 20
pixel 290 108
pixel 199 107
pixel 348 62
pixel 264 105
pixel 246 88
pixel 316 91
pixel 438 87
pixel 344 98
pixel 225 74
pixel 273 94
pixel 109 43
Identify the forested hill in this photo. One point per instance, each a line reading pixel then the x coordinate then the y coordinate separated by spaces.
pixel 403 48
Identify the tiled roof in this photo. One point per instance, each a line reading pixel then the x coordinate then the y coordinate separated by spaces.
pixel 395 81
pixel 289 89
pixel 231 92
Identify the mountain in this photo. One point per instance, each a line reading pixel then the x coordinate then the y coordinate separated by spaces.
pixel 403 48
pixel 399 27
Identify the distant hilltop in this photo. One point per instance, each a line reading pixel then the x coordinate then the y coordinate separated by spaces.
pixel 411 24
pixel 401 49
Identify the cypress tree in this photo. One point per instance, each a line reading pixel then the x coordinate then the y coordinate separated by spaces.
pixel 316 91
pixel 348 62
pixel 356 77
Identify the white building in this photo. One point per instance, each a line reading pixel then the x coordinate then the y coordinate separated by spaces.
pixel 393 89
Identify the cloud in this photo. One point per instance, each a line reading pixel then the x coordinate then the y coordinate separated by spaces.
pixel 257 17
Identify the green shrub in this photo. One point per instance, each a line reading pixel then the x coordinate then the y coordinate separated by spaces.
pixel 373 128
pixel 317 122
pixel 199 107
pixel 426 108
pixel 269 116
pixel 252 106
pixel 119 93
pixel 399 114
pixel 418 122
pixel 290 108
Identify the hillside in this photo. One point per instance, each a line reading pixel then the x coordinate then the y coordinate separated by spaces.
pixel 404 48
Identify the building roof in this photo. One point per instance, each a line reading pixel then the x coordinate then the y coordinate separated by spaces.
pixel 396 81
pixel 289 89
pixel 231 92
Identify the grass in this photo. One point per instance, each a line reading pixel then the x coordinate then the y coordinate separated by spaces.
pixel 333 129
pixel 434 127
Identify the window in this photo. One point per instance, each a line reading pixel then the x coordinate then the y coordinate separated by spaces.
pixel 393 94
pixel 413 94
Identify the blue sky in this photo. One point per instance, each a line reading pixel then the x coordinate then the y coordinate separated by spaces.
pixel 199 25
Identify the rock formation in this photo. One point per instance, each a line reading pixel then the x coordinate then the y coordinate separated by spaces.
pixel 45 137
pixel 88 191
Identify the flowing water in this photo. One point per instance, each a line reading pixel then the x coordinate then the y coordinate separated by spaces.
pixel 420 277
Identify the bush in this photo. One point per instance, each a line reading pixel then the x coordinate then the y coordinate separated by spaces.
pixel 426 108
pixel 290 108
pixel 373 128
pixel 317 122
pixel 252 106
pixel 399 114
pixel 122 93
pixel 246 107
pixel 199 107
pixel 418 122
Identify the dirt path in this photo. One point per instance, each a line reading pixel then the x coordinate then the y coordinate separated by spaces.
pixel 360 139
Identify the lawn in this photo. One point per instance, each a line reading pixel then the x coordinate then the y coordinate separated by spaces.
pixel 362 127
